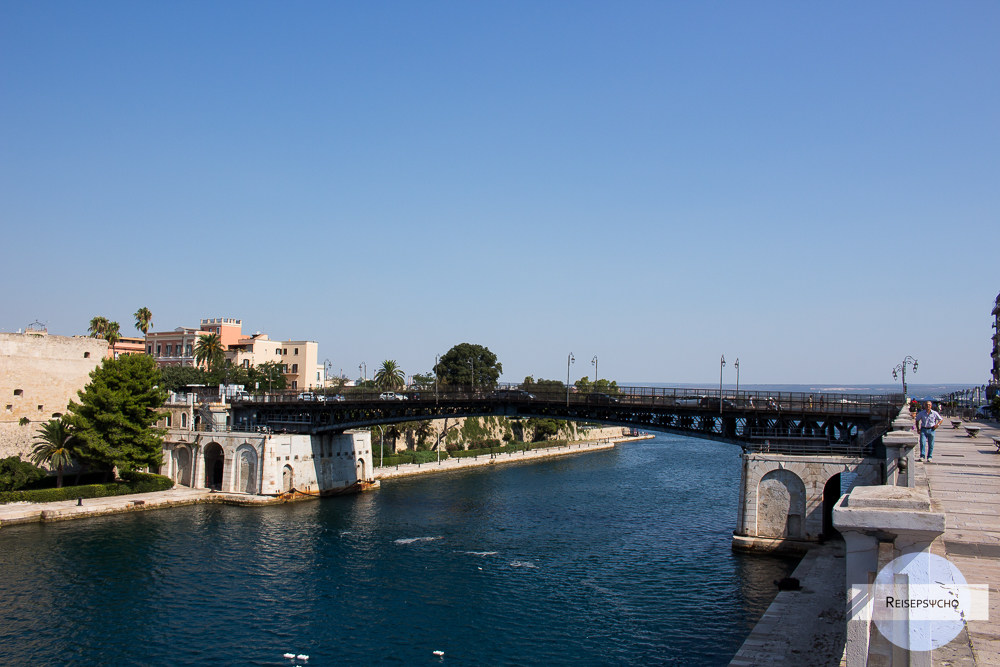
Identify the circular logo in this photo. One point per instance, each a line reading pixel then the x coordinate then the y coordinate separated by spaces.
pixel 920 601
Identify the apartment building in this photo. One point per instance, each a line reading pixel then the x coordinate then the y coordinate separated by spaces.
pixel 176 348
pixel 298 358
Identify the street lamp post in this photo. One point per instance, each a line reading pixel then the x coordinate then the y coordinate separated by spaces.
pixel 737 365
pixel 381 443
pixel 436 358
pixel 594 361
pixel 569 360
pixel 722 364
pixel 900 369
pixel 363 369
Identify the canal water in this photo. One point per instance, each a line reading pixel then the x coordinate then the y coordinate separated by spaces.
pixel 619 557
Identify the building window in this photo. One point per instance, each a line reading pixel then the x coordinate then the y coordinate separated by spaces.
pixel 295 368
pixel 187 350
pixel 296 351
pixel 19 392
pixel 86 355
pixel 41 407
pixel 317 376
pixel 184 420
pixel 157 349
pixel 295 384
pixel 10 407
pixel 170 350
pixel 168 421
pixel 149 350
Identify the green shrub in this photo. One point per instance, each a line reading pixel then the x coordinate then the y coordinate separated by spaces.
pixel 15 473
pixel 139 483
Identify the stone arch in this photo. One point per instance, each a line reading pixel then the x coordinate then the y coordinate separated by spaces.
pixel 287 479
pixel 182 465
pixel 781 505
pixel 246 469
pixel 215 466
pixel 361 470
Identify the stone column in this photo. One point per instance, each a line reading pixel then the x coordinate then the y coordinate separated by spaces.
pixel 900 458
pixel 896 521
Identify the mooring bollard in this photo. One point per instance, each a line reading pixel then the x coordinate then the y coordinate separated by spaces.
pixel 79 501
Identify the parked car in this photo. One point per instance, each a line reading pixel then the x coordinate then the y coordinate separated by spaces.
pixel 391 396
pixel 306 396
pixel 598 398
pixel 338 398
pixel 513 395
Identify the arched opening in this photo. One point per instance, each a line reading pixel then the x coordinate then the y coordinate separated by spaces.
pixel 831 494
pixel 215 464
pixel 184 420
pixel 197 422
pixel 781 505
pixel 361 470
pixel 287 479
pixel 182 466
pixel 246 462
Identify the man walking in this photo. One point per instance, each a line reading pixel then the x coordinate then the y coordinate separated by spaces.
pixel 928 420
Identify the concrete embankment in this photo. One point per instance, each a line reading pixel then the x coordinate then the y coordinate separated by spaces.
pixel 64 510
pixel 531 456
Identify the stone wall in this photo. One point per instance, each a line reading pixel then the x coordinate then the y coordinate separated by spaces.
pixel 783 496
pixel 39 375
pixel 267 464
pixel 445 431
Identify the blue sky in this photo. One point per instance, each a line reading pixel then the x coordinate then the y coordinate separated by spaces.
pixel 812 188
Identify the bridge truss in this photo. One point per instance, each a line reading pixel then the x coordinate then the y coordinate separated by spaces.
pixel 757 421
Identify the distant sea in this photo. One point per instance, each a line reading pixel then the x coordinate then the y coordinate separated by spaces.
pixel 913 389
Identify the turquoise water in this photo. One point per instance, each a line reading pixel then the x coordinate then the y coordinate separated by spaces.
pixel 618 557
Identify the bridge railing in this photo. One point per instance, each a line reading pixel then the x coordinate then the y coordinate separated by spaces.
pixel 639 397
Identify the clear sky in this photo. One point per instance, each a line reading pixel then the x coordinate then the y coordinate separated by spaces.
pixel 810 187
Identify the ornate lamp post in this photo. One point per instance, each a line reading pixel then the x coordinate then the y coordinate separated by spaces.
pixel 737 365
pixel 363 369
pixel 900 369
pixel 569 360
pixel 594 361
pixel 722 364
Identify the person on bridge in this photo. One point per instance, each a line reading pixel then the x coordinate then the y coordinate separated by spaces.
pixel 928 420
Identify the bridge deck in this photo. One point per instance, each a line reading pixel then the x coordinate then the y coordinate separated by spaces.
pixel 767 421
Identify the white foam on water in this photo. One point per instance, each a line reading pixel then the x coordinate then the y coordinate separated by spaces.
pixel 523 563
pixel 479 553
pixel 412 540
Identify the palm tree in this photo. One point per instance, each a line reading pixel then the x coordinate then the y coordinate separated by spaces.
pixel 98 326
pixel 112 334
pixel 209 350
pixel 143 320
pixel 390 376
pixel 56 446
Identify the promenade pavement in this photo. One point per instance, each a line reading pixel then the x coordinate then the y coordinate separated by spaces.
pixel 62 510
pixel 963 480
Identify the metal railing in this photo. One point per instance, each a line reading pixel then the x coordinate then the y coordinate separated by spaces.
pixel 657 397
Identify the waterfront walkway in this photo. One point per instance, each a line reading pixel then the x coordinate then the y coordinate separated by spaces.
pixel 964 482
pixel 463 463
pixel 63 510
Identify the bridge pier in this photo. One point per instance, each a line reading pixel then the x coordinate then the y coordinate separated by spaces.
pixel 786 501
